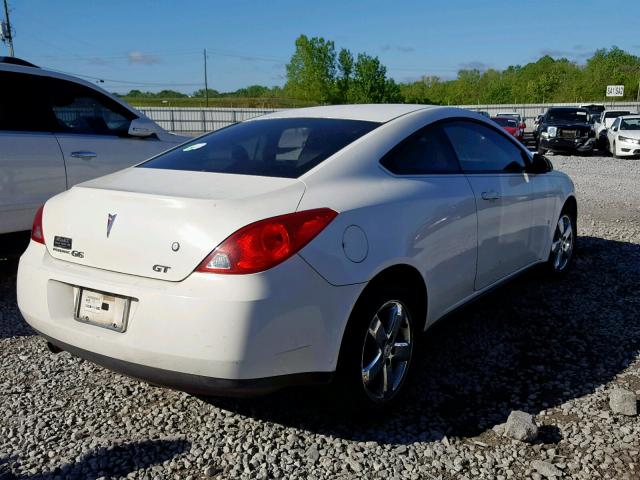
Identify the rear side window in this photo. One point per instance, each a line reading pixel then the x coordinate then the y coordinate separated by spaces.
pixel 481 149
pixel 79 109
pixel 279 147
pixel 426 152
pixel 23 106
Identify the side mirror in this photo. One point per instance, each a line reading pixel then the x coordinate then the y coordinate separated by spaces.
pixel 540 164
pixel 142 127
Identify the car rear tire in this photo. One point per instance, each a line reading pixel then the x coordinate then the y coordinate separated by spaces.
pixel 378 350
pixel 563 245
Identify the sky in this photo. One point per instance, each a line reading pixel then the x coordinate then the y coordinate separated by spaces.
pixel 153 45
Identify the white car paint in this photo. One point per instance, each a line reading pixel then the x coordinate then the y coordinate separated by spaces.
pixel 289 319
pixel 623 142
pixel 36 165
pixel 606 120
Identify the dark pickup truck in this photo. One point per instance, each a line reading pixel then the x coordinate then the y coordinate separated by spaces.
pixel 565 129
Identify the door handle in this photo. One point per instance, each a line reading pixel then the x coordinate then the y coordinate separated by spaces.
pixel 490 195
pixel 84 155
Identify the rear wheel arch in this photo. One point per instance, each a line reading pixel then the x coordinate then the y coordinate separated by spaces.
pixel 400 275
pixel 401 284
pixel 406 277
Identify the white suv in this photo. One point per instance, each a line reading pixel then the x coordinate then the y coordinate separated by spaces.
pixel 56 131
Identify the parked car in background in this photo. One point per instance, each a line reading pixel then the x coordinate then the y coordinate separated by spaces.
pixel 521 123
pixel 510 125
pixel 536 125
pixel 624 136
pixel 304 246
pixel 594 109
pixel 565 129
pixel 56 131
pixel 602 125
pixel 481 112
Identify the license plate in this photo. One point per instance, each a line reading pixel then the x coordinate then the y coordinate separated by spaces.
pixel 102 309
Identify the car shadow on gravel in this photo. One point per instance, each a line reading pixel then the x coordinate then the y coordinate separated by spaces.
pixel 115 461
pixel 530 345
pixel 11 322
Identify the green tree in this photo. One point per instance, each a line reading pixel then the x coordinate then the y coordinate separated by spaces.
pixel 311 71
pixel 345 75
pixel 201 93
pixel 170 94
pixel 370 83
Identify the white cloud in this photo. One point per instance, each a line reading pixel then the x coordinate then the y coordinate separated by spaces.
pixel 140 58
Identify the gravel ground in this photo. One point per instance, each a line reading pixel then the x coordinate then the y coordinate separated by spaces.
pixel 553 350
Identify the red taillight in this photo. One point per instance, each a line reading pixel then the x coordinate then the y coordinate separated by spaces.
pixel 264 244
pixel 37 234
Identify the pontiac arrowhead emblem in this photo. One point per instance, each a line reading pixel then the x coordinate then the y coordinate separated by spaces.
pixel 110 220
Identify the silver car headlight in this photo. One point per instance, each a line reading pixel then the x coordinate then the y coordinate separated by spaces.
pixel 629 140
pixel 552 131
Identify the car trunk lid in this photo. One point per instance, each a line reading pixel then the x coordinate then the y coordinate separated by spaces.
pixel 159 223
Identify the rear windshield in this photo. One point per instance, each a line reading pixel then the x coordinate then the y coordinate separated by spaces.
pixel 567 115
pixel 505 121
pixel 615 114
pixel 282 147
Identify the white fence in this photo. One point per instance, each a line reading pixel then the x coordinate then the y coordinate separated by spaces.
pixel 200 120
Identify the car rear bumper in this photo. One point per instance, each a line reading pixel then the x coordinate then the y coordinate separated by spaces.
pixel 196 384
pixel 580 144
pixel 207 334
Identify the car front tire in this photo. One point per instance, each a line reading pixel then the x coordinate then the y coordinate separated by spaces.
pixel 563 245
pixel 378 350
pixel 614 150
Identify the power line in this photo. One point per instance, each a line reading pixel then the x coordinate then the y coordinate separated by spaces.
pixel 127 82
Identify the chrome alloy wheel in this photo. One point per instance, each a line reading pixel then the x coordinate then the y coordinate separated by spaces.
pixel 562 245
pixel 387 350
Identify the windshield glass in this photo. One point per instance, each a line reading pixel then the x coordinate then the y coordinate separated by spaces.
pixel 615 114
pixel 505 122
pixel 567 115
pixel 515 116
pixel 593 108
pixel 630 124
pixel 281 147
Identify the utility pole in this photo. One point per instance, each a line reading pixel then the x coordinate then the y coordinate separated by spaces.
pixel 7 35
pixel 206 85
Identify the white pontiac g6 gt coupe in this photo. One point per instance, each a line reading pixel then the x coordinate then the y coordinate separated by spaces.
pixel 300 247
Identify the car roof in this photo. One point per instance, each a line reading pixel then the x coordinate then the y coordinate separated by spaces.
pixel 12 67
pixel 369 112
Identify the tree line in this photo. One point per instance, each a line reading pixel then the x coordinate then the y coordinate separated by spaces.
pixel 318 74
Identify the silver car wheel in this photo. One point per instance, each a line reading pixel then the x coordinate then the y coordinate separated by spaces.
pixel 562 245
pixel 386 352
